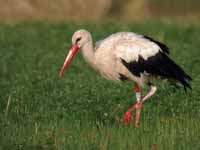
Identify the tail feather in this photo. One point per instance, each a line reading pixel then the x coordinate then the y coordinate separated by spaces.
pixel 177 73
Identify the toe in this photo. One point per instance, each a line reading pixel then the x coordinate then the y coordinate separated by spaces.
pixel 127 118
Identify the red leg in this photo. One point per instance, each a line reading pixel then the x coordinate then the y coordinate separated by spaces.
pixel 137 92
pixel 137 88
pixel 127 117
pixel 138 107
pixel 137 116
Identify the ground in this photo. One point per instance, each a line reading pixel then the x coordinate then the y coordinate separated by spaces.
pixel 38 110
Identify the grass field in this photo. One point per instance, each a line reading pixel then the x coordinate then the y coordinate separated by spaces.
pixel 40 111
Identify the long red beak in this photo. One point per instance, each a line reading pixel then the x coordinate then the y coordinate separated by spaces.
pixel 73 50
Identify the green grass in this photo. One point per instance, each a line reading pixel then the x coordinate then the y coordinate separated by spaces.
pixel 79 111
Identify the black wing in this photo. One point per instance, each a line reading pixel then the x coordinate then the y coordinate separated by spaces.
pixel 162 46
pixel 159 65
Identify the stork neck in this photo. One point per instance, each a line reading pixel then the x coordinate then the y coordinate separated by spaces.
pixel 88 53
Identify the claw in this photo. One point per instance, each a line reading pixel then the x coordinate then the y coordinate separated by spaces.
pixel 127 118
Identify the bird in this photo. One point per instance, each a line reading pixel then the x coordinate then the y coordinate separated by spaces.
pixel 128 56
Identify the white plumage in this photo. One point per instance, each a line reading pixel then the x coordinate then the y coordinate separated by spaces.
pixel 122 45
pixel 129 46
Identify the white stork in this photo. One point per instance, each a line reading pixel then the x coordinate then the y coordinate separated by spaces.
pixel 128 56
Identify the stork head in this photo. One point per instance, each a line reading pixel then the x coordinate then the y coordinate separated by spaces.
pixel 79 39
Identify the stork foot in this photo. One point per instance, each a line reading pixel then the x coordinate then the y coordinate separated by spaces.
pixel 138 107
pixel 127 117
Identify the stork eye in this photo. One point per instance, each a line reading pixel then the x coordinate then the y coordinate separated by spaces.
pixel 78 39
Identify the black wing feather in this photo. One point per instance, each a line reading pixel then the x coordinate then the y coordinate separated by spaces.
pixel 162 46
pixel 159 65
